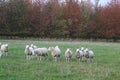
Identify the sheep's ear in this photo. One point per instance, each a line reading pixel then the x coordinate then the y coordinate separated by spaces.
pixel 6 44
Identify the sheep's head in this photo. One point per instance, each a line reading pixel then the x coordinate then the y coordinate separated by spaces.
pixel 68 51
pixel 82 48
pixel 6 45
pixel 86 50
pixel 27 46
pixel 32 45
pixel 77 50
pixel 56 47
pixel 51 49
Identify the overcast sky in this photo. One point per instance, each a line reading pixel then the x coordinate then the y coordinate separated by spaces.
pixel 103 2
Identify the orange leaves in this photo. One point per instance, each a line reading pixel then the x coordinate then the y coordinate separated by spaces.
pixel 110 19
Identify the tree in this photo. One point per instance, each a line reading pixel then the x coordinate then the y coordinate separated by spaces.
pixel 72 15
pixel 110 20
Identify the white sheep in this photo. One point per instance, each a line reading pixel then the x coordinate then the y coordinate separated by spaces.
pixel 79 54
pixel 41 52
pixel 88 54
pixel 55 52
pixel 68 55
pixel 4 49
pixel 29 51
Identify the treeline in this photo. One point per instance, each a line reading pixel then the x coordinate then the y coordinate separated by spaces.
pixel 60 19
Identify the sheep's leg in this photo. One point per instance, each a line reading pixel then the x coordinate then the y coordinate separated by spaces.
pixel 5 53
pixel 0 55
pixel 82 59
pixel 58 58
pixel 66 59
pixel 79 60
pixel 37 57
pixel 91 59
pixel 40 58
pixel 27 57
pixel 85 59
pixel 55 58
pixel 47 58
pixel 30 57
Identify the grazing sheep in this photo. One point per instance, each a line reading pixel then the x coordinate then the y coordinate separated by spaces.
pixel 41 52
pixel 55 52
pixel 79 54
pixel 4 49
pixel 88 54
pixel 68 55
pixel 29 52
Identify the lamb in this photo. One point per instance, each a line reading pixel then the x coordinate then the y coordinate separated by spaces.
pixel 55 52
pixel 29 52
pixel 68 54
pixel 88 54
pixel 41 52
pixel 79 54
pixel 4 49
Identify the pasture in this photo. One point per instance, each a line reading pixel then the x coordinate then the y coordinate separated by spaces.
pixel 106 64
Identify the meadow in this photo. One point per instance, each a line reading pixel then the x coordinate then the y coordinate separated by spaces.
pixel 106 64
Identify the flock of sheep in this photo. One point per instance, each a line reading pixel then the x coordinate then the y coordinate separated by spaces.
pixel 82 54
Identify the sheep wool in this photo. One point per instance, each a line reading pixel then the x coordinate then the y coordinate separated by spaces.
pixel 68 55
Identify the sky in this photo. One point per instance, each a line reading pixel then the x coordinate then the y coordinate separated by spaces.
pixel 103 2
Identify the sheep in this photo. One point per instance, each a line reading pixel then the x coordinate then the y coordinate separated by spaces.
pixel 4 49
pixel 68 55
pixel 88 54
pixel 79 54
pixel 29 52
pixel 41 52
pixel 55 52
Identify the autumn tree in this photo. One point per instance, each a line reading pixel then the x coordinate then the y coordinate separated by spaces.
pixel 110 20
pixel 72 15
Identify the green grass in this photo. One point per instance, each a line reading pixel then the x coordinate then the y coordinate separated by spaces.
pixel 106 64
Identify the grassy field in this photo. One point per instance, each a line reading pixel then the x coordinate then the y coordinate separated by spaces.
pixel 106 64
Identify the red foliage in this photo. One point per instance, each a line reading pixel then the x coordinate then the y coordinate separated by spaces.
pixel 72 14
pixel 110 20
